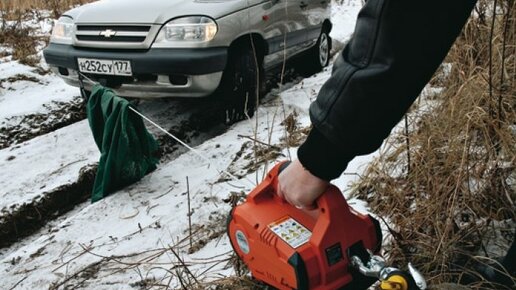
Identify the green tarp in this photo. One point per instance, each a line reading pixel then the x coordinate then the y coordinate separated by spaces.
pixel 128 151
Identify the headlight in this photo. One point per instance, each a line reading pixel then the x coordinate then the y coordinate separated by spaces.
pixel 63 30
pixel 193 28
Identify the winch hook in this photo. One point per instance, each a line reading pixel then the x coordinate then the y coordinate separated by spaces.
pixel 390 278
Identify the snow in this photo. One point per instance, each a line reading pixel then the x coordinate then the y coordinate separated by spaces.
pixel 21 98
pixel 343 18
pixel 127 237
pixel 45 163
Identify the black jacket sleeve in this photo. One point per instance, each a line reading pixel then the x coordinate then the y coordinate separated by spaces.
pixel 396 48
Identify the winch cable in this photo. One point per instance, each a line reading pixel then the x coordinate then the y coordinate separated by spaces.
pixel 196 152
pixel 229 174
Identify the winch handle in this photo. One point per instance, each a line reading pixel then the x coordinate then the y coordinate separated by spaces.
pixel 267 189
pixel 332 199
pixel 282 166
pixel 273 178
pixel 331 204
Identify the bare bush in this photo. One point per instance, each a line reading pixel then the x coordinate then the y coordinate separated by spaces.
pixel 21 38
pixel 57 6
pixel 459 187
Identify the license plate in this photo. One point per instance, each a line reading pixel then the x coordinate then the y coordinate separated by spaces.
pixel 105 67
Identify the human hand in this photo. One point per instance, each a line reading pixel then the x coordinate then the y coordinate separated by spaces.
pixel 299 187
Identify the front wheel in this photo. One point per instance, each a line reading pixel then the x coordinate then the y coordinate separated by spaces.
pixel 241 84
pixel 318 56
pixel 323 48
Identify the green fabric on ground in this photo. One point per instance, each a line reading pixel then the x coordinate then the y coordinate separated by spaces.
pixel 128 151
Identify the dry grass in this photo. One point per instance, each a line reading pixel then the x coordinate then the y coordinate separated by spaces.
pixel 447 184
pixel 56 6
pixel 19 37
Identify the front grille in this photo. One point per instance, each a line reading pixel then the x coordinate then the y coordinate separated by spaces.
pixel 115 33
pixel 111 39
pixel 116 28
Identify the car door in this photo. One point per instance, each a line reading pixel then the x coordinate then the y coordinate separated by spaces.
pixel 288 23
pixel 296 23
pixel 288 27
pixel 291 28
pixel 273 13
pixel 315 12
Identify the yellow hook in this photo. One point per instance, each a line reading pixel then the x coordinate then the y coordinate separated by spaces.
pixel 394 282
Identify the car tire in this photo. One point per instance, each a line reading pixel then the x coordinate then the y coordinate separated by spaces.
pixel 241 84
pixel 318 56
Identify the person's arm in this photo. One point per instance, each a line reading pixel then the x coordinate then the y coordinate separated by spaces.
pixel 396 48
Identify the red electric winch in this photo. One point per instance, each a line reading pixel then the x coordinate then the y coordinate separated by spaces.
pixel 291 248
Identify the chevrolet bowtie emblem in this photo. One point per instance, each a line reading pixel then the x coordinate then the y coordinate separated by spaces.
pixel 108 33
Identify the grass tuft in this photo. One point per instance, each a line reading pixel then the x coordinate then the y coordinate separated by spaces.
pixel 19 39
pixel 448 185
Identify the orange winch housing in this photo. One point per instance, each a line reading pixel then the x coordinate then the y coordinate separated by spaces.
pixel 291 248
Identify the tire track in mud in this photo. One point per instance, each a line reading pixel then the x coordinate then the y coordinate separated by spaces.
pixel 193 121
pixel 61 114
pixel 30 217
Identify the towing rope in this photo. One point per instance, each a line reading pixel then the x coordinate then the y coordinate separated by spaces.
pixel 196 152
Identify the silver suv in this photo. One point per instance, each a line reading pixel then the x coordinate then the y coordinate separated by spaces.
pixel 188 48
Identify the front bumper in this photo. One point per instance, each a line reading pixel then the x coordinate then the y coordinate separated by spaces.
pixel 154 70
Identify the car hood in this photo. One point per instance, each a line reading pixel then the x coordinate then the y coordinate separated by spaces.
pixel 153 11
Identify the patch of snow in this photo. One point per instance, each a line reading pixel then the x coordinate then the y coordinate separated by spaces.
pixel 45 163
pixel 344 17
pixel 20 98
